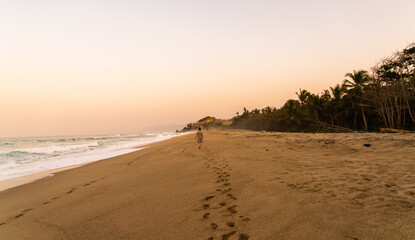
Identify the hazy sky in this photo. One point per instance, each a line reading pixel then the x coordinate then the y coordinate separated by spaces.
pixel 89 67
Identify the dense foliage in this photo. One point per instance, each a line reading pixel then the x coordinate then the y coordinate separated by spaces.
pixel 384 96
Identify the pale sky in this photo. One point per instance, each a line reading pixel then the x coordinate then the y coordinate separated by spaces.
pixel 97 67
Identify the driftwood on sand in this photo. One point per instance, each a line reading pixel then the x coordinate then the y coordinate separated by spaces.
pixel 331 127
pixel 392 130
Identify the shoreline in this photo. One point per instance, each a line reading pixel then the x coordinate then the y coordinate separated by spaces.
pixel 18 181
pixel 32 177
pixel 240 185
pixel 25 179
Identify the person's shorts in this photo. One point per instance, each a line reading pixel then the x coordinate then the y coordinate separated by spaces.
pixel 199 140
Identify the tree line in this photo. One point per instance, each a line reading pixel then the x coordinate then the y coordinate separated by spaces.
pixel 366 100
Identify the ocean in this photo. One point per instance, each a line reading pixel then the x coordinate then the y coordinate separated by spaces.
pixel 28 155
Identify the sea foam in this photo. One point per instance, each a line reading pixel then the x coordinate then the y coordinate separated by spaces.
pixel 25 156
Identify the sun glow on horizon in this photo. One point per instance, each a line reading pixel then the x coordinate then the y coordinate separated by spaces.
pixel 120 67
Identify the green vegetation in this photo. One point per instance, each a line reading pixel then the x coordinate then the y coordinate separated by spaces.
pixel 206 123
pixel 365 101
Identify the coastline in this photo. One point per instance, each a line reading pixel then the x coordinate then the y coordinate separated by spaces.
pixel 31 177
pixel 21 180
pixel 240 185
pixel 15 182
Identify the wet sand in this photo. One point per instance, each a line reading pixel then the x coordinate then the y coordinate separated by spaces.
pixel 240 185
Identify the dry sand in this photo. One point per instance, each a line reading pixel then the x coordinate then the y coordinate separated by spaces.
pixel 240 185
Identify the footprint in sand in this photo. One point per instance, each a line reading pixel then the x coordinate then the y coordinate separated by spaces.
pixel 71 191
pixel 410 193
pixel 27 210
pixel 209 197
pixel 245 219
pixel 214 226
pixel 243 236
pixel 228 235
pixel 22 213
pixel 222 171
pixel 232 209
pixel 230 195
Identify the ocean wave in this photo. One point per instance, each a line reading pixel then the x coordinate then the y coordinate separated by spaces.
pixel 29 155
pixel 18 157
pixel 48 150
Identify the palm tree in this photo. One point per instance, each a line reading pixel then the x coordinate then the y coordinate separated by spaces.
pixel 302 96
pixel 336 102
pixel 355 86
pixel 316 105
pixel 291 113
pixel 338 92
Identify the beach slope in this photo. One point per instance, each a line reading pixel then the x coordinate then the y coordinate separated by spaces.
pixel 240 185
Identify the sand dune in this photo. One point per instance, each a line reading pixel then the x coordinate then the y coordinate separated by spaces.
pixel 240 185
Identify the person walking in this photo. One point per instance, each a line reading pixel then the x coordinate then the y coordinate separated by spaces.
pixel 199 137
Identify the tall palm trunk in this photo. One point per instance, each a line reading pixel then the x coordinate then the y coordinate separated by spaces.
pixel 354 120
pixel 364 118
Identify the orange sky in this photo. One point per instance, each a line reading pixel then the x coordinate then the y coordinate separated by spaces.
pixel 92 67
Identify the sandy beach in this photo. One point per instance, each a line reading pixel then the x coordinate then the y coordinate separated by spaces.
pixel 240 185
